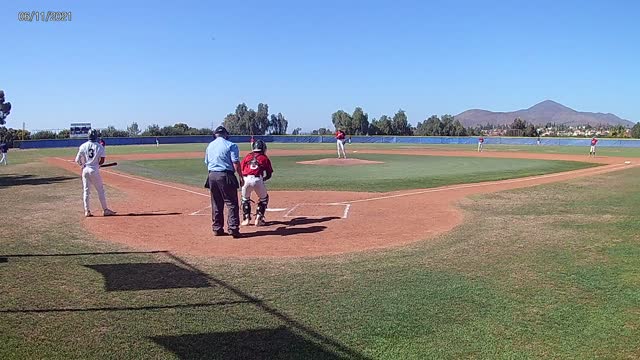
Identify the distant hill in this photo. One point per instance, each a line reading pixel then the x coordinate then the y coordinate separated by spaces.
pixel 540 114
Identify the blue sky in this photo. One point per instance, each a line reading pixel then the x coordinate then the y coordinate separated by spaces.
pixel 164 62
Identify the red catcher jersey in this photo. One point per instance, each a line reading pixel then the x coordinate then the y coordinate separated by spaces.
pixel 255 164
pixel 340 135
pixel 594 142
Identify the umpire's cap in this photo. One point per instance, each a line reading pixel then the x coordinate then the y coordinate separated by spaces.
pixel 222 131
pixel 93 135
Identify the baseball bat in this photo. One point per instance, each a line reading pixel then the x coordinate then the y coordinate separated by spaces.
pixel 109 164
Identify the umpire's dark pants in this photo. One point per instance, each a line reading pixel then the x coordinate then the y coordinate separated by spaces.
pixel 224 190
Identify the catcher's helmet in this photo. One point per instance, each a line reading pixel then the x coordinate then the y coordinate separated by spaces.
pixel 222 131
pixel 93 135
pixel 259 146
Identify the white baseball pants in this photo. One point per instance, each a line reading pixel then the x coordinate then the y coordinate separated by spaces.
pixel 4 158
pixel 92 177
pixel 251 184
pixel 340 144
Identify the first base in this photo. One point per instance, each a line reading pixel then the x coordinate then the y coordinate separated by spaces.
pixel 627 162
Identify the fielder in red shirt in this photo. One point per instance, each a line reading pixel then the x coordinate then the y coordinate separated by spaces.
pixel 256 169
pixel 592 150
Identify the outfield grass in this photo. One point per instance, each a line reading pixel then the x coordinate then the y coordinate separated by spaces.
pixel 549 272
pixel 17 156
pixel 398 172
pixel 570 150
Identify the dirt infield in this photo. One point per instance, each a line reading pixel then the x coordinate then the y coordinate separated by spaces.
pixel 159 215
pixel 339 162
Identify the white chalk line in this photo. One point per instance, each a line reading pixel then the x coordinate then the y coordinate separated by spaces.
pixel 346 211
pixel 199 212
pixel 344 215
pixel 458 187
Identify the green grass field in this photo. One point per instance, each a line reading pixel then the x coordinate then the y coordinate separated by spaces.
pixel 398 172
pixel 23 156
pixel 548 272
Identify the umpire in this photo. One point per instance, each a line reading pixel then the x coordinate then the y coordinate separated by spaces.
pixel 223 161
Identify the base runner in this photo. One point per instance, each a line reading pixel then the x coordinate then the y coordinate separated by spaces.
pixel 256 169
pixel 90 156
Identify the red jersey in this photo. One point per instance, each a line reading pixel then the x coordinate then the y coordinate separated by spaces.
pixel 340 135
pixel 256 164
pixel 481 140
pixel 594 141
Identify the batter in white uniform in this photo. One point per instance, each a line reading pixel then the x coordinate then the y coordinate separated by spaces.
pixel 90 156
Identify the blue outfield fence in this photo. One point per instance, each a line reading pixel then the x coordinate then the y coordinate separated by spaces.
pixel 308 139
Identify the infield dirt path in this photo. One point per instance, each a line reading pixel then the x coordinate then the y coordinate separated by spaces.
pixel 157 215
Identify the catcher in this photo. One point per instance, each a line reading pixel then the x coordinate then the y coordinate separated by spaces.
pixel 256 169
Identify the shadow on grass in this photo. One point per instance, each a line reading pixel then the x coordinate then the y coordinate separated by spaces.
pixel 278 343
pixel 124 308
pixel 148 276
pixel 293 340
pixel 20 180
pixel 4 260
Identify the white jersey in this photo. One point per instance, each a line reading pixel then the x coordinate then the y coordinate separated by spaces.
pixel 89 154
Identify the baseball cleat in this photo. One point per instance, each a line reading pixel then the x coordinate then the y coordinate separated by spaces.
pixel 245 222
pixel 259 221
pixel 108 212
pixel 88 214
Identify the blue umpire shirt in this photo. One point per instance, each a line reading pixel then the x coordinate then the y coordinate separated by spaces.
pixel 221 154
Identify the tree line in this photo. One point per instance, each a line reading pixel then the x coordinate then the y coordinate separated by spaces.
pixel 246 121
pixel 357 123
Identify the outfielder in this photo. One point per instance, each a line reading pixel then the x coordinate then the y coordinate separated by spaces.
pixel 480 143
pixel 90 156
pixel 256 169
pixel 340 140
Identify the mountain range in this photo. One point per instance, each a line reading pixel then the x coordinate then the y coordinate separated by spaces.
pixel 545 112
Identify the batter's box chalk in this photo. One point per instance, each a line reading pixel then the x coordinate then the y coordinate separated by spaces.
pixel 319 210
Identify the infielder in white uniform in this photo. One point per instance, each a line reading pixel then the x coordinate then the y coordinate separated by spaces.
pixel 90 156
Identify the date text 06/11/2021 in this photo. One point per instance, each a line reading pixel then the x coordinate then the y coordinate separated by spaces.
pixel 44 16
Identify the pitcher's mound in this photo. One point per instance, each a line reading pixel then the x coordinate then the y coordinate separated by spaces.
pixel 340 162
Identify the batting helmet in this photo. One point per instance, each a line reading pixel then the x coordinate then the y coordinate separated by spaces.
pixel 259 146
pixel 93 135
pixel 222 131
